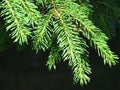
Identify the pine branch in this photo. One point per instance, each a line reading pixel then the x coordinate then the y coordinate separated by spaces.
pixel 31 11
pixel 68 21
pixel 15 20
pixel 91 32
pixel 42 36
pixel 54 57
pixel 73 49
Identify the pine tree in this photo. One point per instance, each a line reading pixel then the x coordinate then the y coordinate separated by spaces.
pixel 65 27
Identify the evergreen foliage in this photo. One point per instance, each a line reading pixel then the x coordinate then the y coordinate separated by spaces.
pixel 64 27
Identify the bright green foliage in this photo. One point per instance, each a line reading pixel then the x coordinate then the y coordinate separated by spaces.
pixel 63 27
pixel 53 58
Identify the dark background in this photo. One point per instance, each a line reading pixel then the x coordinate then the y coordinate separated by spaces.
pixel 26 70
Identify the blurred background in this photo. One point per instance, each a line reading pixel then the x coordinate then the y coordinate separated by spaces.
pixel 26 70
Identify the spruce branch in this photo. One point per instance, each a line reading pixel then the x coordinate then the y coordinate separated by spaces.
pixel 30 9
pixel 42 36
pixel 63 26
pixel 73 49
pixel 15 21
pixel 54 57
pixel 91 32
